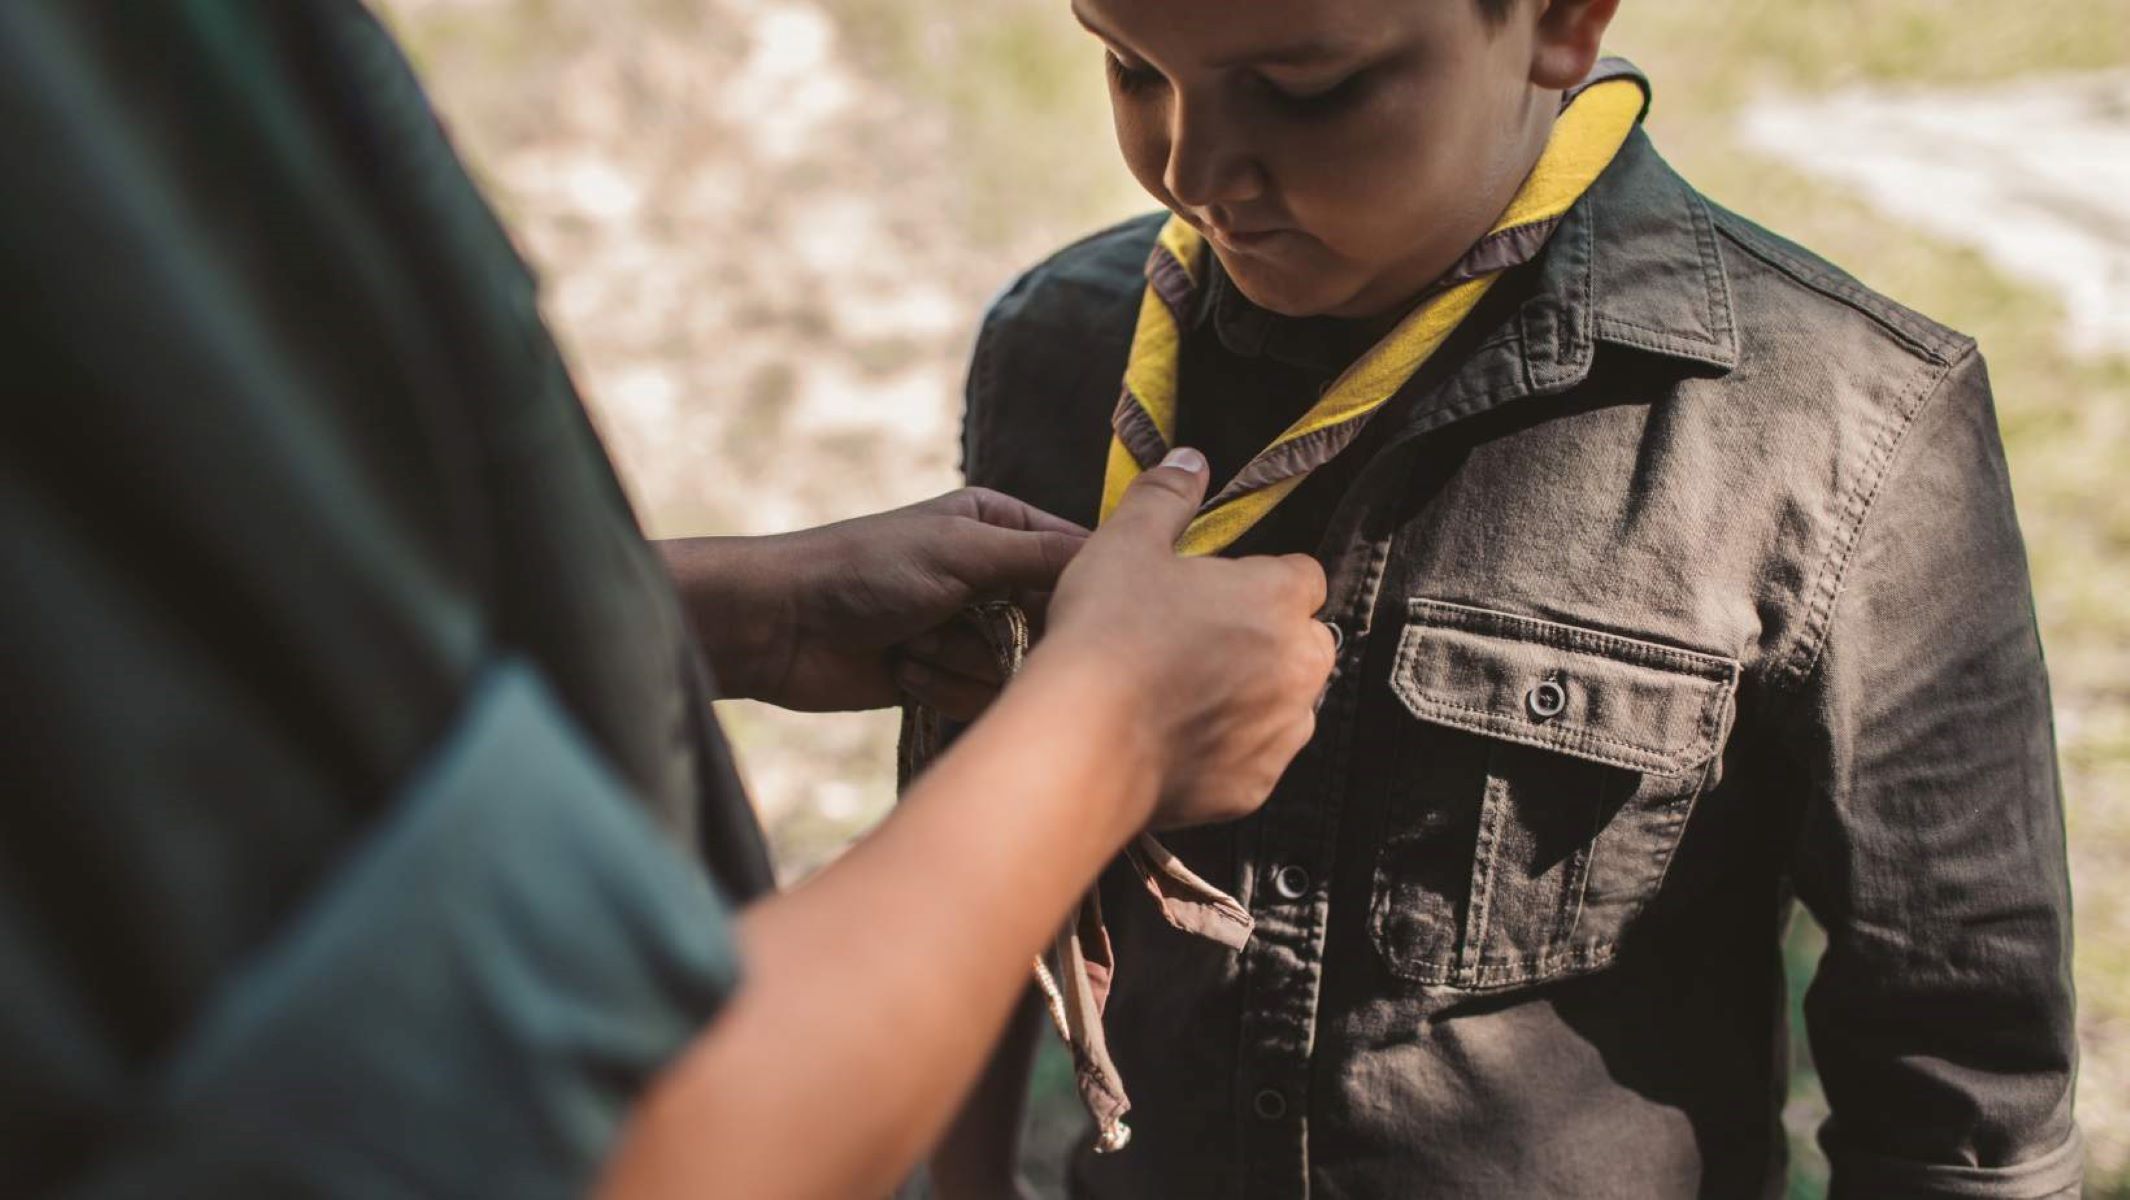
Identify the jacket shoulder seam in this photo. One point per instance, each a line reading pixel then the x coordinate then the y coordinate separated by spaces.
pixel 1922 337
pixel 1797 665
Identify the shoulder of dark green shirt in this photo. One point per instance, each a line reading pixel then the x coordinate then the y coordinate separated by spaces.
pixel 333 772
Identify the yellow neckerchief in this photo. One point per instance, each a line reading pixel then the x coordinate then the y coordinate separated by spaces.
pixel 1593 125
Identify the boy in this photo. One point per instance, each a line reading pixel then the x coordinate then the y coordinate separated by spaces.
pixel 1677 577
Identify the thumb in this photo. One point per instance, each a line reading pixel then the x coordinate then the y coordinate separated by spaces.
pixel 1159 504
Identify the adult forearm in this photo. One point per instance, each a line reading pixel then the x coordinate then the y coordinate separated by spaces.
pixel 876 991
pixel 1169 691
pixel 738 612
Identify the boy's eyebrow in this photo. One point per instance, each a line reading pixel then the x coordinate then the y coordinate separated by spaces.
pixel 1298 54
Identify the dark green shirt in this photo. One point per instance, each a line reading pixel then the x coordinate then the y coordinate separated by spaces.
pixel 356 759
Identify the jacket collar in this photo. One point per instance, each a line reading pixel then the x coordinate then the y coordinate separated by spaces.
pixel 1633 265
pixel 1636 265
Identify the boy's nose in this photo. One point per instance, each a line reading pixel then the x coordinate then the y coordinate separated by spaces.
pixel 1208 162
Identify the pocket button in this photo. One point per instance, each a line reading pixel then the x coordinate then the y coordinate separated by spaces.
pixel 1547 700
pixel 1270 1105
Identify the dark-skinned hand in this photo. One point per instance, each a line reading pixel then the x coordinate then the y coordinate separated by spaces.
pixel 862 613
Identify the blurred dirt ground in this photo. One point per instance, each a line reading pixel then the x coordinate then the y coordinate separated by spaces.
pixel 767 228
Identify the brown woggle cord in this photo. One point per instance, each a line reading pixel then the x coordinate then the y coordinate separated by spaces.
pixel 1075 974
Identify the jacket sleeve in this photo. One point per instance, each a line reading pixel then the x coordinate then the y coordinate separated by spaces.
pixel 1931 846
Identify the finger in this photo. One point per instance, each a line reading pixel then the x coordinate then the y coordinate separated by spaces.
pixel 1329 641
pixel 1006 512
pixel 1287 582
pixel 959 650
pixel 1160 503
pixel 988 560
pixel 1325 664
pixel 1311 589
pixel 951 695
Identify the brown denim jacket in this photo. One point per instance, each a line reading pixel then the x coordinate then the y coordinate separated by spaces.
pixel 1686 584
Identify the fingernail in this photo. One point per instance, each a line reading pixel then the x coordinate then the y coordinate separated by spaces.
pixel 1183 458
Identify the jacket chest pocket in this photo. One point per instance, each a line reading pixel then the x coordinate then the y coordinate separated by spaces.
pixel 1536 794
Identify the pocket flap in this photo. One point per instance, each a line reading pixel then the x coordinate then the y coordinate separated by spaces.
pixel 1598 696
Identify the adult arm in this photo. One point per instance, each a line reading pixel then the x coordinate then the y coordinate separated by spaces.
pixel 1169 691
pixel 1932 848
pixel 858 614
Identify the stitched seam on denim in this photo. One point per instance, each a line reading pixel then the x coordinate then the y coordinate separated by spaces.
pixel 1716 344
pixel 1482 400
pixel 1494 343
pixel 1637 756
pixel 1577 870
pixel 1509 974
pixel 1330 809
pixel 1593 746
pixel 1428 421
pixel 1645 337
pixel 1479 893
pixel 1543 632
pixel 1614 333
pixel 1579 318
pixel 1721 316
pixel 1795 666
pixel 1851 294
pixel 1685 800
pixel 1688 803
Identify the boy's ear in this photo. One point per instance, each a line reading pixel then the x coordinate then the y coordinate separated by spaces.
pixel 1564 46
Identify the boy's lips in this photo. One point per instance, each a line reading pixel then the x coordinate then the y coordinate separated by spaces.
pixel 1245 239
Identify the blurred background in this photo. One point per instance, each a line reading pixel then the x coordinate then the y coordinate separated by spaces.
pixel 767 229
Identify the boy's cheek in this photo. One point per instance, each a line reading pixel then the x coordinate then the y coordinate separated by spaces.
pixel 1146 155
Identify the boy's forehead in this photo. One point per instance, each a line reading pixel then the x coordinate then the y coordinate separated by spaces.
pixel 1228 32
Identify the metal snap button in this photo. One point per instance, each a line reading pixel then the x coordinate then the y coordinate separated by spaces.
pixel 1547 700
pixel 1291 882
pixel 1270 1105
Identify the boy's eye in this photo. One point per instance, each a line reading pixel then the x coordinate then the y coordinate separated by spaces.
pixel 1130 79
pixel 1317 99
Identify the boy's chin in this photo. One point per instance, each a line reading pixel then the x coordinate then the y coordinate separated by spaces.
pixel 1290 291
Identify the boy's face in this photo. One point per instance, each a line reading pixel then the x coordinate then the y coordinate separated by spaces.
pixel 1339 155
